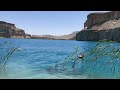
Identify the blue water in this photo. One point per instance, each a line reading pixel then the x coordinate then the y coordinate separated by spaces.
pixel 37 58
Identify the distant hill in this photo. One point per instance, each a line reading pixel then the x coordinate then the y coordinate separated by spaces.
pixel 9 30
pixel 63 37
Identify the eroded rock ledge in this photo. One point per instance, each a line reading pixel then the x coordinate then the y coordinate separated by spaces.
pixel 99 26
pixel 9 30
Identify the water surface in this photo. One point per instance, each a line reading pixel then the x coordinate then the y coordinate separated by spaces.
pixel 37 57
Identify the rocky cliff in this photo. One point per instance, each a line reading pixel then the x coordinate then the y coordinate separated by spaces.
pixel 99 26
pixel 9 30
pixel 93 35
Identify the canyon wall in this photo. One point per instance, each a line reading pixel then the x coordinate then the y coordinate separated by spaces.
pixel 99 26
pixel 9 30
pixel 98 18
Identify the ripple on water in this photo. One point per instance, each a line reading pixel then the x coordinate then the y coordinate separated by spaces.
pixel 37 55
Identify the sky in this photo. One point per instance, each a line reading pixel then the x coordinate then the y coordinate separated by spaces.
pixel 47 22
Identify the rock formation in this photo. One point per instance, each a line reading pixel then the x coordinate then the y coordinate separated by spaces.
pixel 28 36
pixel 9 30
pixel 98 18
pixel 99 26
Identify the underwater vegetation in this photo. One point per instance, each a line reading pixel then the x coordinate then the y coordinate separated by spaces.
pixel 5 53
pixel 102 60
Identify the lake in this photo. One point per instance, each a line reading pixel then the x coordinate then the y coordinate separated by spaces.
pixel 37 58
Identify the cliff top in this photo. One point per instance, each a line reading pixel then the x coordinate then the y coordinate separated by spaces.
pixel 3 22
pixel 101 12
pixel 98 13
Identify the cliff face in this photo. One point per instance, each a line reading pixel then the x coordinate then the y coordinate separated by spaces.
pixel 87 35
pixel 9 30
pixel 99 26
pixel 98 18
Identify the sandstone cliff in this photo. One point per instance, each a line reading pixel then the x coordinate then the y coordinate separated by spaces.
pixel 99 26
pixel 9 30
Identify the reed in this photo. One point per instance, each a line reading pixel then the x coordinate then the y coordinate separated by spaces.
pixel 101 58
pixel 6 55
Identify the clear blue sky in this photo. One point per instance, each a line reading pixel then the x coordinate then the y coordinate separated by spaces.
pixel 46 22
